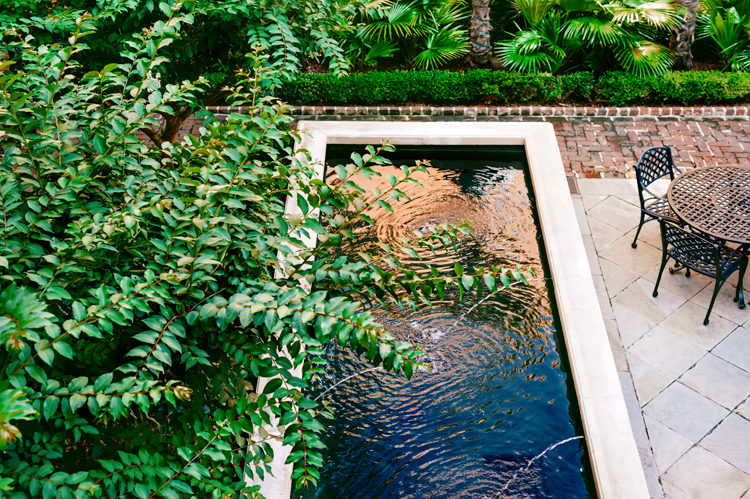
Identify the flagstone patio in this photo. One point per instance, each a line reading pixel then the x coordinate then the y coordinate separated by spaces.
pixel 687 384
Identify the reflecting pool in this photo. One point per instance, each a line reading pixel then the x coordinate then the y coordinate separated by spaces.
pixel 495 416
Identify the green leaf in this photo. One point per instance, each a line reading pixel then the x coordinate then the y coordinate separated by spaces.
pixel 79 311
pixel 63 349
pixel 272 385
pixel 341 172
pixel 77 401
pixel 141 491
pixel 103 382
pixel 50 407
pixel 505 280
pixel 165 8
pixel 489 280
pixel 99 144
pixel 458 269
pixel 36 373
pixel 45 353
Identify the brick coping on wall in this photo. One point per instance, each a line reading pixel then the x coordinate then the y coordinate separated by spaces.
pixel 537 111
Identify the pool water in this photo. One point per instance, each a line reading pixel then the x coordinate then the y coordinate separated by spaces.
pixel 495 416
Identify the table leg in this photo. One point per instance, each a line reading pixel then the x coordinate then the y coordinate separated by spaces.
pixel 740 281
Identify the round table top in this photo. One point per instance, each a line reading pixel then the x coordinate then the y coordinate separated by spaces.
pixel 714 200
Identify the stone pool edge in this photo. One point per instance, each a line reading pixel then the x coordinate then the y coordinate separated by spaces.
pixel 616 465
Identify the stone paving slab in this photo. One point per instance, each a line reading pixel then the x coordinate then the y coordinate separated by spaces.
pixel 688 384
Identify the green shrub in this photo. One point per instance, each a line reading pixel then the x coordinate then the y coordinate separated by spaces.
pixel 475 87
pixel 148 293
pixel 436 88
pixel 695 88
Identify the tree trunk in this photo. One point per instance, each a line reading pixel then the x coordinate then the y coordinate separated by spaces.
pixel 479 32
pixel 169 130
pixel 682 37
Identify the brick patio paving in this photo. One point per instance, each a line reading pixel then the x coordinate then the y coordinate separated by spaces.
pixel 594 147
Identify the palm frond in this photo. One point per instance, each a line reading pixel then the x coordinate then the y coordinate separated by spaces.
pixel 742 58
pixel 579 5
pixel 664 15
pixel 397 21
pixel 726 33
pixel 533 50
pixel 549 28
pixel 709 7
pixel 380 50
pixel 742 7
pixel 375 4
pixel 644 58
pixel 451 13
pixel 703 25
pixel 594 30
pixel 442 46
pixel 534 10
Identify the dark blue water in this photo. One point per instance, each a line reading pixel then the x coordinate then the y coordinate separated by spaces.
pixel 496 394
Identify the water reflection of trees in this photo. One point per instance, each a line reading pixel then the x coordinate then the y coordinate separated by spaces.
pixel 491 363
pixel 497 201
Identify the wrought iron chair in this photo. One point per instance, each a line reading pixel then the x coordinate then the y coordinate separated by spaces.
pixel 654 164
pixel 702 255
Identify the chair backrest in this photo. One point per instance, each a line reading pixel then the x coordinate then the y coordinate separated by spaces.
pixel 689 248
pixel 655 163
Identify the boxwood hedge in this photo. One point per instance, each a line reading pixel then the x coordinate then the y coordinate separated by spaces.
pixel 694 88
pixel 436 88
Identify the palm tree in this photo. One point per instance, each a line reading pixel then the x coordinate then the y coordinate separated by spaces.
pixel 619 31
pixel 429 32
pixel 479 31
pixel 682 37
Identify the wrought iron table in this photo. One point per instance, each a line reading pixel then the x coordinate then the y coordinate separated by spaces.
pixel 715 200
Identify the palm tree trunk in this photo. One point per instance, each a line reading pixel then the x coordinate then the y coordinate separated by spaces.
pixel 682 37
pixel 479 31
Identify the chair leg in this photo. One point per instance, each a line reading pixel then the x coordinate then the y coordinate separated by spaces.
pixel 635 241
pixel 740 295
pixel 664 260
pixel 679 267
pixel 717 287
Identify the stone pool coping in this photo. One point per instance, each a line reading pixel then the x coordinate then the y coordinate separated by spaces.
pixel 615 462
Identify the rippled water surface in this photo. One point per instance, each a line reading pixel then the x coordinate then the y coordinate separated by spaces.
pixel 496 396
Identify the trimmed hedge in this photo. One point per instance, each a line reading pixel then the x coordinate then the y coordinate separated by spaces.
pixel 481 86
pixel 435 88
pixel 686 88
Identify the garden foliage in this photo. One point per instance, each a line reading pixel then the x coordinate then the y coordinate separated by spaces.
pixel 477 87
pixel 213 46
pixel 436 87
pixel 146 292
pixel 692 88
pixel 428 33
pixel 564 34
pixel 727 25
